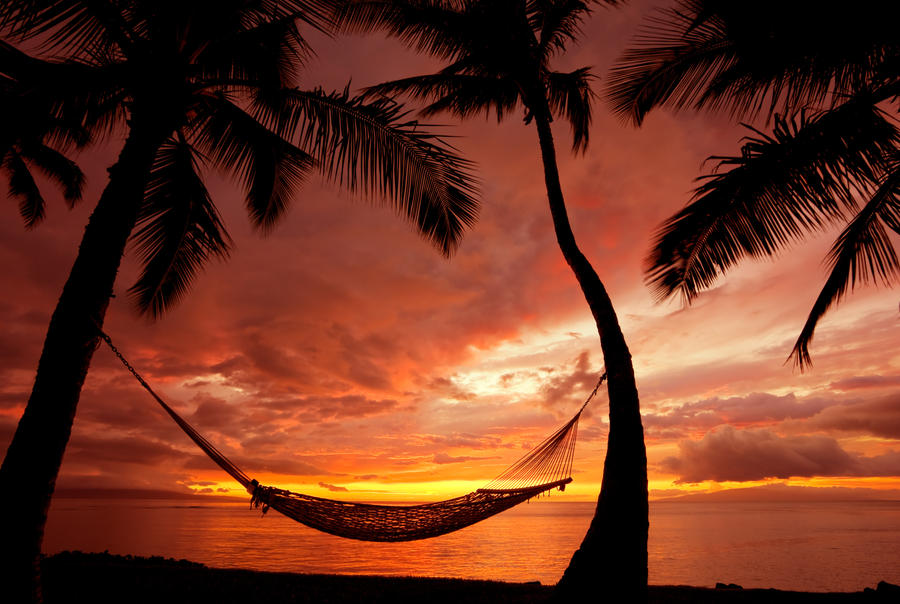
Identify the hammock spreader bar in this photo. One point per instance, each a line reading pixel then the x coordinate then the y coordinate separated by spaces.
pixel 548 466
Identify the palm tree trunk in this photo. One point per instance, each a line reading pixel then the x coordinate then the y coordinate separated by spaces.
pixel 612 559
pixel 32 462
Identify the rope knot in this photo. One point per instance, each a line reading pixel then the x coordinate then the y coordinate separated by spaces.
pixel 260 495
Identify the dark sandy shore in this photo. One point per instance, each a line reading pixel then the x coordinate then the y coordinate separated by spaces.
pixel 102 578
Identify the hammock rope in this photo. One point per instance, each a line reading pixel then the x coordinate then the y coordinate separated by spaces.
pixel 546 467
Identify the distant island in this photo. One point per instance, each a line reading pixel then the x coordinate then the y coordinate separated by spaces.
pixel 786 493
pixel 112 493
pixel 770 492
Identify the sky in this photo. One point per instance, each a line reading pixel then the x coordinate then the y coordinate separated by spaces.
pixel 342 356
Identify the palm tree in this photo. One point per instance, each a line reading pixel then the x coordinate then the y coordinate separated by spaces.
pixel 498 57
pixel 829 78
pixel 191 85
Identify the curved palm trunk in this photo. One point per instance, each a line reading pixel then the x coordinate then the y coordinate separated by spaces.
pixel 612 559
pixel 32 462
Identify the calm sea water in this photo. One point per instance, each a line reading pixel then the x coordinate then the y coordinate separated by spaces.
pixel 830 546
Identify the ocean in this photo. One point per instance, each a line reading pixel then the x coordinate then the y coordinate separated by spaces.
pixel 822 546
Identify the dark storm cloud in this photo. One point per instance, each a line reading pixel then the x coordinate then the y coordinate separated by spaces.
pixel 13 398
pixel 134 449
pixel 119 404
pixel 281 464
pixel 563 391
pixel 755 408
pixel 593 433
pixel 7 428
pixel 460 439
pixel 214 413
pixel 879 417
pixel 342 407
pixel 444 458
pixel 445 387
pixel 728 454
pixel 866 382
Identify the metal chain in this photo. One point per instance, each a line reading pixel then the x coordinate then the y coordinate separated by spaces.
pixel 125 362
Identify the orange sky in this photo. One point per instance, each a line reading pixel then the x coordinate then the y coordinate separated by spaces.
pixel 341 353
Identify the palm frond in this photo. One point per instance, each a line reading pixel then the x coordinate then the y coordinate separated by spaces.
pixel 253 43
pixel 59 169
pixel 372 148
pixel 30 133
pixel 81 105
pixel 435 27
pixel 557 22
pixel 748 57
pixel 75 102
pixel 780 188
pixel 269 54
pixel 320 14
pixel 462 95
pixel 21 186
pixel 80 28
pixel 271 168
pixel 570 95
pixel 863 253
pixel 178 231
pixel 809 53
pixel 671 63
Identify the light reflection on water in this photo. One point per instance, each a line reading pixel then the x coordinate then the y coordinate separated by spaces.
pixel 833 546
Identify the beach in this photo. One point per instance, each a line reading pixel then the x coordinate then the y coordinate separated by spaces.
pixel 100 578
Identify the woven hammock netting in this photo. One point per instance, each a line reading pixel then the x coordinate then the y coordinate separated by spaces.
pixel 548 466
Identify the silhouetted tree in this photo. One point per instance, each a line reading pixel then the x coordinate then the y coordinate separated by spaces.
pixel 190 85
pixel 832 156
pixel 498 57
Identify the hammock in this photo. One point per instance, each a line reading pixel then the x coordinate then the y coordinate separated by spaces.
pixel 548 466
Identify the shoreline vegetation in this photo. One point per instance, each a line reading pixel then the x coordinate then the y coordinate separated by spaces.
pixel 104 577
